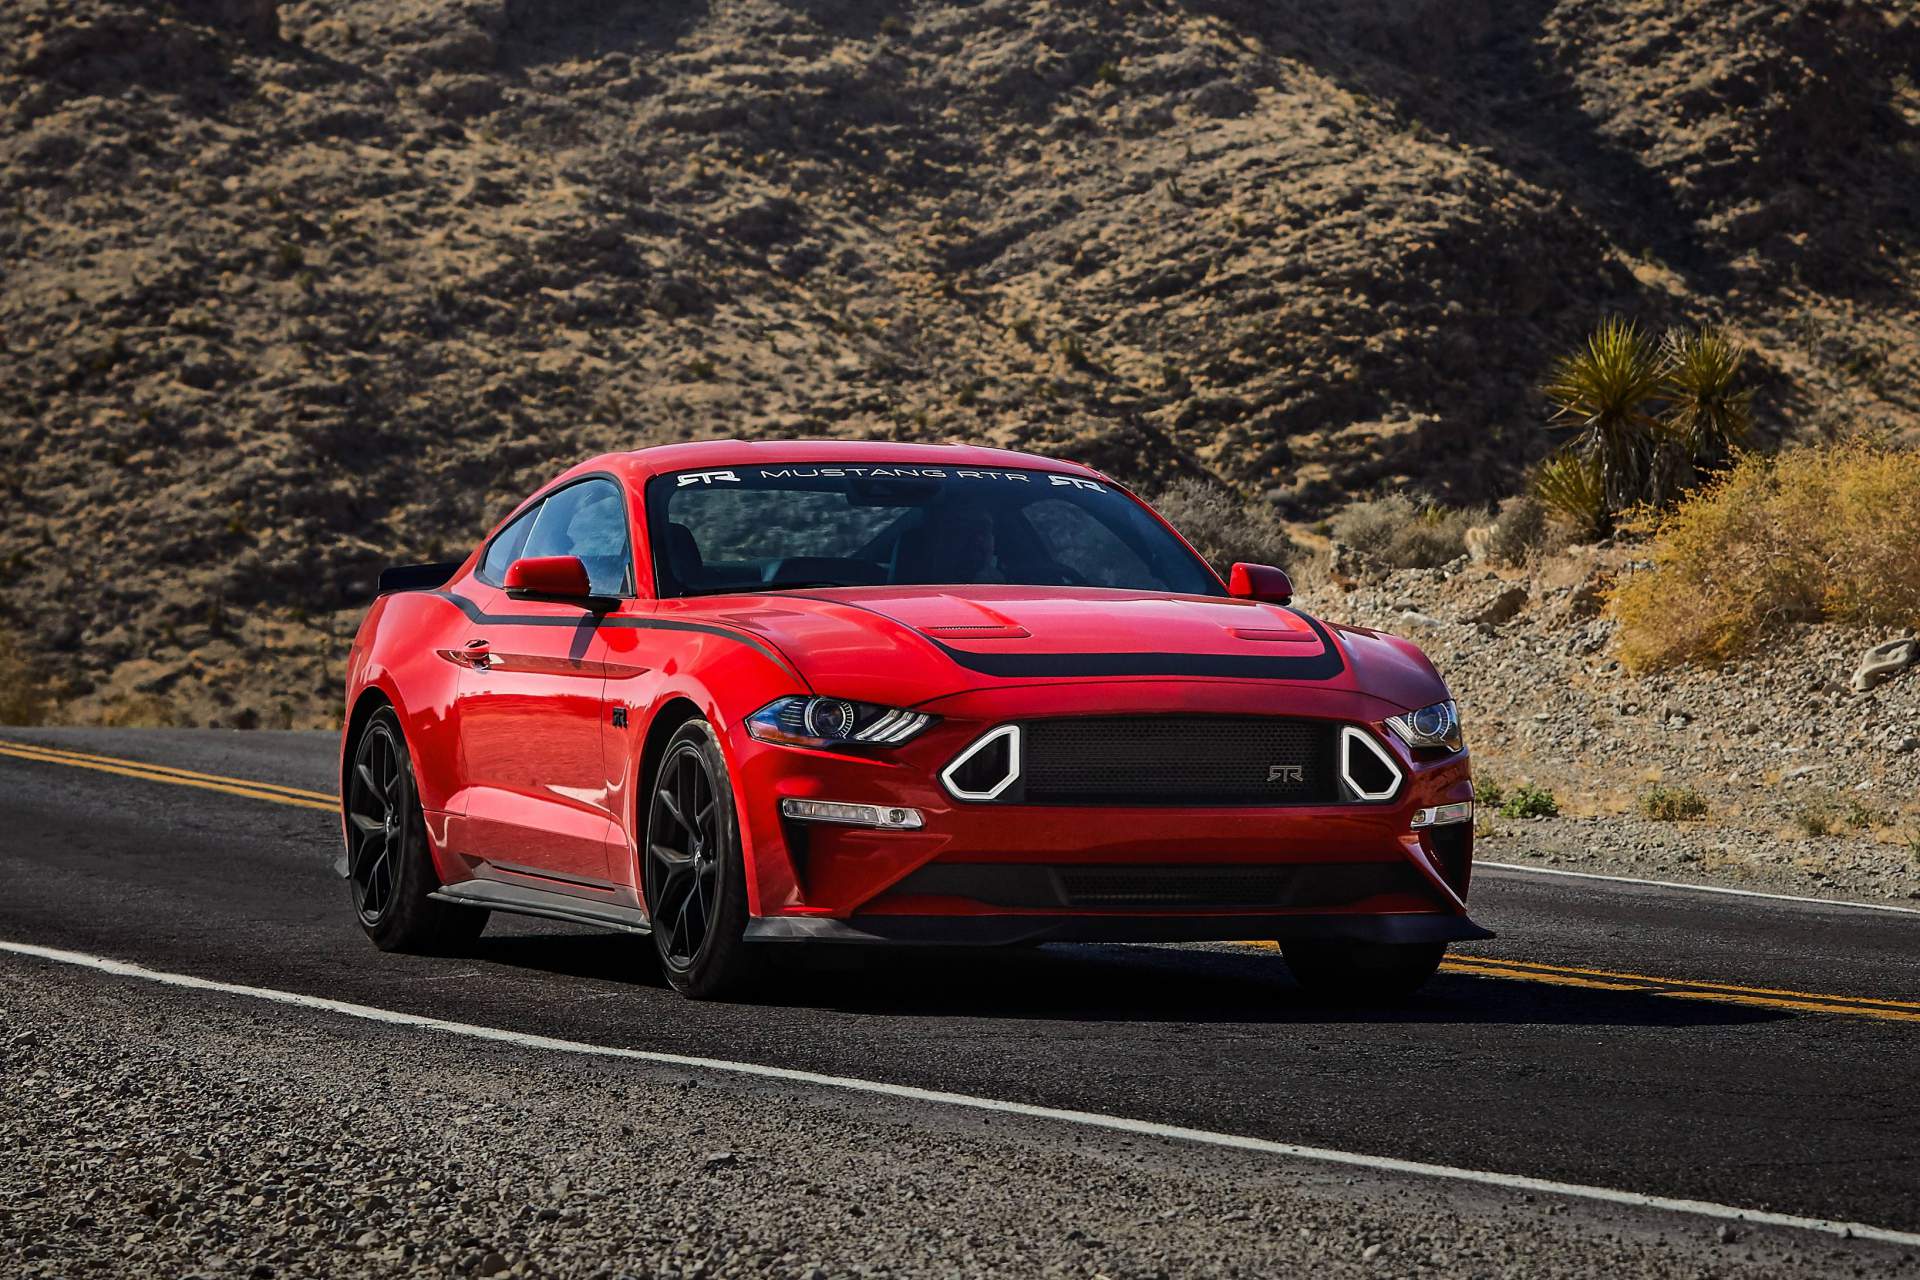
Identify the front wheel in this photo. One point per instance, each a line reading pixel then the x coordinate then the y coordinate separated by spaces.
pixel 694 874
pixel 389 869
pixel 1362 972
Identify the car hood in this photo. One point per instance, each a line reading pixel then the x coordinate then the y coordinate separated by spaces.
pixel 905 645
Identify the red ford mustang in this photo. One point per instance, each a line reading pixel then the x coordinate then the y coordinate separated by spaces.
pixel 738 696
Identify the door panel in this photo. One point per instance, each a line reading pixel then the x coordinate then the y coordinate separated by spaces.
pixel 532 706
pixel 531 717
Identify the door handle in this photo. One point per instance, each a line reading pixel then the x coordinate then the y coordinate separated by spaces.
pixel 478 653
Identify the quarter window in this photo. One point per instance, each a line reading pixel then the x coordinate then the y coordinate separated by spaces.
pixel 507 547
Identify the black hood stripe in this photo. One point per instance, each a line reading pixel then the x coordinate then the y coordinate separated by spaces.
pixel 1324 665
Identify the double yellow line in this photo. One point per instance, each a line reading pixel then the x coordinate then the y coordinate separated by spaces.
pixel 270 791
pixel 1468 965
pixel 1684 988
pixel 1645 984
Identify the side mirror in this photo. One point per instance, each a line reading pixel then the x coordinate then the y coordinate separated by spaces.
pixel 1260 582
pixel 556 577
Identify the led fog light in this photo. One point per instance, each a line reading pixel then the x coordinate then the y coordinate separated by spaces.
pixel 1443 815
pixel 887 817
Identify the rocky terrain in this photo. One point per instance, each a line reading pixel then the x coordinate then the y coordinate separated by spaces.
pixel 295 289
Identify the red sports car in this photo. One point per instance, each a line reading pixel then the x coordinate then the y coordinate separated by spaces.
pixel 738 696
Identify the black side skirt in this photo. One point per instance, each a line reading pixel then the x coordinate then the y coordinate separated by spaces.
pixel 527 901
pixel 1007 930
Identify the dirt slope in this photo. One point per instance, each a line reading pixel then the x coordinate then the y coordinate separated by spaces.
pixel 294 290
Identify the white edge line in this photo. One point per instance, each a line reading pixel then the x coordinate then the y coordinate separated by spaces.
pixel 1701 888
pixel 1088 1119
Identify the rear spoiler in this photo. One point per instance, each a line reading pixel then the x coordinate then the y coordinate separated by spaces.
pixel 416 577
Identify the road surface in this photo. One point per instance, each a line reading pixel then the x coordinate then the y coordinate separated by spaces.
pixel 1744 1052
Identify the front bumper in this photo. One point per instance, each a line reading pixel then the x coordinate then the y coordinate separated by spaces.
pixel 1355 870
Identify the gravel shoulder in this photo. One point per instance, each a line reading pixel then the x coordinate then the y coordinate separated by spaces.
pixel 157 1132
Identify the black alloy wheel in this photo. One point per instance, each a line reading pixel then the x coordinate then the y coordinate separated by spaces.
pixel 389 868
pixel 374 825
pixel 694 876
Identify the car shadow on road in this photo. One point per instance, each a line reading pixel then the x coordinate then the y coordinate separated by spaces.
pixel 1104 984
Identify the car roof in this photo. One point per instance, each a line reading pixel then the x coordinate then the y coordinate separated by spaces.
pixel 641 464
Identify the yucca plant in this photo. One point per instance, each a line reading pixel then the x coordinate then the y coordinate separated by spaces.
pixel 1652 416
pixel 1570 485
pixel 1605 387
pixel 1705 411
pixel 1706 415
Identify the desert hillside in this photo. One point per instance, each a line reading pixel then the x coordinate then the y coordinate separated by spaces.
pixel 293 290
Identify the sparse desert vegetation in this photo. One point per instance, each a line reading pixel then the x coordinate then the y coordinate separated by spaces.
pixel 1809 535
pixel 1225 527
pixel 1520 530
pixel 1672 804
pixel 1401 532
pixel 1528 800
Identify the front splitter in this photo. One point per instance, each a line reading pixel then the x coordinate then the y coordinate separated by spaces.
pixel 1013 930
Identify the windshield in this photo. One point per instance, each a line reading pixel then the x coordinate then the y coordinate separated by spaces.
pixel 780 527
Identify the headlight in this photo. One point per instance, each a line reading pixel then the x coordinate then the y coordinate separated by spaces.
pixel 1434 726
pixel 833 722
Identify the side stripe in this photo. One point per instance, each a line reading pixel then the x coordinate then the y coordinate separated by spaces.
pixel 477 614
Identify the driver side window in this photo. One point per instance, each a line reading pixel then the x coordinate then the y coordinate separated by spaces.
pixel 587 520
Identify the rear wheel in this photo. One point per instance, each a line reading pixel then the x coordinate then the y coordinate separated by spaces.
pixel 1362 972
pixel 389 868
pixel 694 874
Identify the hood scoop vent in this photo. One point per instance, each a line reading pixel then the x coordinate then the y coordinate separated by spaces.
pixel 1273 635
pixel 977 631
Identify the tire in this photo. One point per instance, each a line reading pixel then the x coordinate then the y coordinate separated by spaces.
pixel 1362 972
pixel 694 876
pixel 389 866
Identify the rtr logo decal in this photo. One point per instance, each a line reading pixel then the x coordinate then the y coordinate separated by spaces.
pixel 1286 773
pixel 707 477
pixel 1077 483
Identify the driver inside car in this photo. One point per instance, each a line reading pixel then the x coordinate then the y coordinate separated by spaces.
pixel 954 544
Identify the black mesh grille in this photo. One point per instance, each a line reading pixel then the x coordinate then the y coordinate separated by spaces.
pixel 1146 760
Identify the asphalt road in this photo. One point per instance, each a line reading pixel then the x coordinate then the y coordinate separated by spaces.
pixel 1533 1056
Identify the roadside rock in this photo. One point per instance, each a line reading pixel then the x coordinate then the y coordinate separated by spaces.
pixel 1500 607
pixel 1885 661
